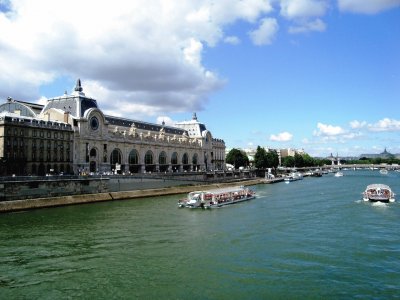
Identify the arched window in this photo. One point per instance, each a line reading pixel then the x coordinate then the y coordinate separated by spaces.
pixel 174 158
pixel 148 158
pixel 115 161
pixel 185 159
pixel 162 161
pixel 93 152
pixel 195 159
pixel 116 157
pixel 133 157
pixel 162 158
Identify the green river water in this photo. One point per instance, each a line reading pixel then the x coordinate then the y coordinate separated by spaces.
pixel 309 239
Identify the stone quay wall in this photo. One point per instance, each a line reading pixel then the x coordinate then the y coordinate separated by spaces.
pixel 27 204
pixel 18 193
pixel 30 188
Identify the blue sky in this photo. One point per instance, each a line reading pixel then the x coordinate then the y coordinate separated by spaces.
pixel 320 75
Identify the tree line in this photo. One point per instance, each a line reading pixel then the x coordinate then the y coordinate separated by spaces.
pixel 270 159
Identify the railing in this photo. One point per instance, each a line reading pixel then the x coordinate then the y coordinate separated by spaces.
pixel 214 176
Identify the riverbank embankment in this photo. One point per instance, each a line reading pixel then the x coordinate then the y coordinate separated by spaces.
pixel 28 204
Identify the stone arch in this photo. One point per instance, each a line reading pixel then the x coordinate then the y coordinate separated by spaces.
pixel 149 161
pixel 162 161
pixel 93 152
pixel 195 162
pixel 93 160
pixel 133 160
pixel 174 162
pixel 185 162
pixel 116 160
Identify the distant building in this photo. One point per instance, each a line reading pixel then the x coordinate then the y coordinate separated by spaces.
pixel 384 155
pixel 71 134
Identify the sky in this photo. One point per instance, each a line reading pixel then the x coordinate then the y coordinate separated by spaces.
pixel 318 75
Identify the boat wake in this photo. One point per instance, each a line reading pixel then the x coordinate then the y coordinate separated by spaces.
pixel 380 204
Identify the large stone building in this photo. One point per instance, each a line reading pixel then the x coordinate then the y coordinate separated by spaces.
pixel 384 155
pixel 88 141
pixel 29 145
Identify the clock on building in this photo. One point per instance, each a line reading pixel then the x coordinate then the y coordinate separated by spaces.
pixel 94 123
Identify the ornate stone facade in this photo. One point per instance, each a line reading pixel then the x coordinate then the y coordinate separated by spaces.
pixel 103 144
pixel 32 146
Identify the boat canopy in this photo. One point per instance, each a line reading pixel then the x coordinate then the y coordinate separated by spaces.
pixel 378 186
pixel 225 190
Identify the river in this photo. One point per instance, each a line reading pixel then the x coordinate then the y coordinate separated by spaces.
pixel 309 239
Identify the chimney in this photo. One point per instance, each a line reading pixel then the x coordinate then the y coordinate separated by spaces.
pixel 66 117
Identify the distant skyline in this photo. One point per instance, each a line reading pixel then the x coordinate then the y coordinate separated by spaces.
pixel 318 75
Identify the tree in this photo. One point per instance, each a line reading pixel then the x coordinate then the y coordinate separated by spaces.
pixel 308 161
pixel 237 158
pixel 298 160
pixel 272 159
pixel 260 158
pixel 288 161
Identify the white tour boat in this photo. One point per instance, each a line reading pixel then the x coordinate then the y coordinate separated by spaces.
pixel 217 197
pixel 293 177
pixel 378 192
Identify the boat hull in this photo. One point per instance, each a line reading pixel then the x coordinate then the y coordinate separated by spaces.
pixel 375 199
pixel 221 204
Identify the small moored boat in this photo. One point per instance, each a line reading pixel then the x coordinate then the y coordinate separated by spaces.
pixel 293 177
pixel 338 174
pixel 217 197
pixel 378 192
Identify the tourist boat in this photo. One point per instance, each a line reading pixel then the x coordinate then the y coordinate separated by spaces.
pixel 217 197
pixel 316 173
pixel 378 192
pixel 293 177
pixel 338 174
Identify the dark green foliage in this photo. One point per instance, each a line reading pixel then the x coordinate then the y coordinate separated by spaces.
pixel 264 159
pixel 237 158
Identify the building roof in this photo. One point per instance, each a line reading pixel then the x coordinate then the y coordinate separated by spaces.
pixel 75 104
pixel 117 121
pixel 20 108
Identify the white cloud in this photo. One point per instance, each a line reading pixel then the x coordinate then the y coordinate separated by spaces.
pixel 357 124
pixel 385 124
pixel 352 135
pixel 144 56
pixel 367 6
pixel 281 137
pixel 316 25
pixel 233 40
pixel 294 9
pixel 192 52
pixel 328 130
pixel 265 33
pixel 167 121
